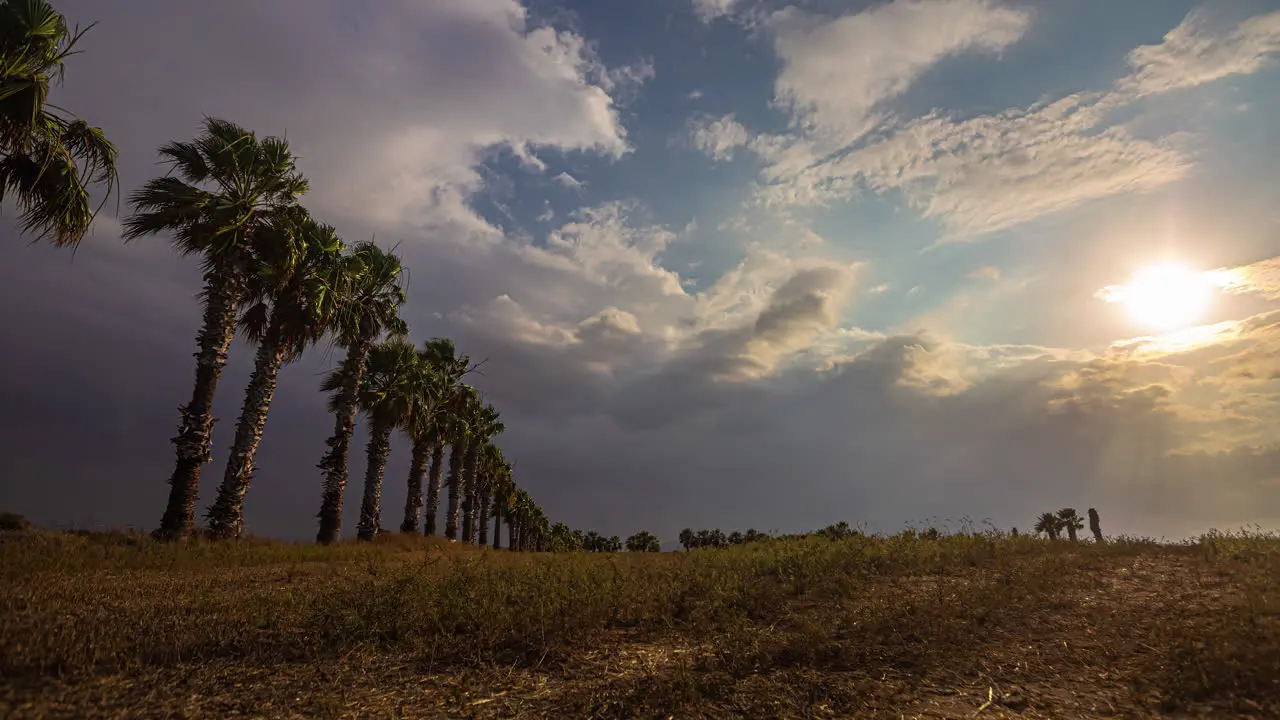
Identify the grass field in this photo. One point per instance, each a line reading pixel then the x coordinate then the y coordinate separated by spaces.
pixel 114 625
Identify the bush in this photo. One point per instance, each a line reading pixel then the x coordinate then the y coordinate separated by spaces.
pixel 13 522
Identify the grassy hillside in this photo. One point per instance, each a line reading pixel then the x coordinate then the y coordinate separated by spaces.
pixel 119 626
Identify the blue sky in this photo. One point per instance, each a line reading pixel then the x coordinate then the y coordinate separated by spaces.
pixel 766 263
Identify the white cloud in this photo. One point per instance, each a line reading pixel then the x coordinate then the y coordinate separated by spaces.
pixel 836 73
pixel 708 10
pixel 717 137
pixel 1194 54
pixel 568 181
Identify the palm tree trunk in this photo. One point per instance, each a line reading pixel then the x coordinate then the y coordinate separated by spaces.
pixel 334 463
pixel 497 523
pixel 433 486
pixel 417 470
pixel 482 533
pixel 467 514
pixel 222 297
pixel 470 484
pixel 371 506
pixel 513 532
pixel 226 517
pixel 456 451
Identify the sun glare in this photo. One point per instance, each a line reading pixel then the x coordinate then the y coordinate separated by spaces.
pixel 1164 297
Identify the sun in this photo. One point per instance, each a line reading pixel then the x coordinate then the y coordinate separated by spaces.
pixel 1163 297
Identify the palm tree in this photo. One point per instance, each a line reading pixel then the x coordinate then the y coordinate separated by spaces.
pixel 449 429
pixel 373 309
pixel 1069 519
pixel 295 292
pixel 230 191
pixel 48 157
pixel 541 530
pixel 392 385
pixel 425 430
pixel 465 407
pixel 521 516
pixel 1049 524
pixel 643 541
pixel 485 425
pixel 503 490
pixel 491 462
pixel 1095 526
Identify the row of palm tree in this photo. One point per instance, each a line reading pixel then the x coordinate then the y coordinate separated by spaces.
pixel 286 282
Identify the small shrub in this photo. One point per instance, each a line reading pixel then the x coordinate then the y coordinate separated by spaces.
pixel 13 522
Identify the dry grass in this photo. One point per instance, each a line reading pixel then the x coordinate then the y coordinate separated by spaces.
pixel 961 626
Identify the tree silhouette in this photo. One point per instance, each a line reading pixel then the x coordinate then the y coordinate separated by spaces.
pixel 1095 525
pixel 1069 519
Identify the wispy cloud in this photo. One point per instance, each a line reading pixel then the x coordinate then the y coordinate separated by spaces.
pixel 1195 53
pixel 981 174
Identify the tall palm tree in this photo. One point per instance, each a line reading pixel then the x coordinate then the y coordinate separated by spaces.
pixel 485 426
pixel 296 289
pixel 426 429
pixel 1069 519
pixel 467 408
pixel 372 310
pixel 229 192
pixel 392 385
pixel 48 157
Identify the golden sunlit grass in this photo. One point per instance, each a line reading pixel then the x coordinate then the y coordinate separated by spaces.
pixel 118 626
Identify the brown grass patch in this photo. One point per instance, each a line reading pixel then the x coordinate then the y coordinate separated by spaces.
pixel 97 626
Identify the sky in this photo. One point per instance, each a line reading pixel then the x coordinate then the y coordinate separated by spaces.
pixel 729 263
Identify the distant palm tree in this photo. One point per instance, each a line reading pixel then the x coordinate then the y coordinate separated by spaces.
pixel 449 429
pixel 643 541
pixel 372 310
pixel 467 407
pixel 229 193
pixel 491 463
pixel 393 384
pixel 425 429
pixel 48 157
pixel 522 514
pixel 485 425
pixel 296 290
pixel 1095 526
pixel 1049 524
pixel 504 487
pixel 1069 519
